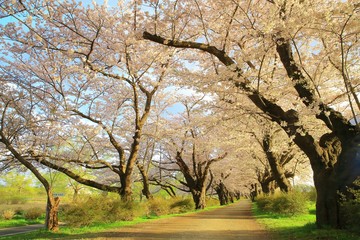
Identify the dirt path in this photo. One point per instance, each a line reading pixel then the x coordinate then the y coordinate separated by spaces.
pixel 232 222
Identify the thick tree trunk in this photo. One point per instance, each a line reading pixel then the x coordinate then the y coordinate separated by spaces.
pixel 223 194
pixel 327 211
pixel 52 221
pixel 126 194
pixel 199 198
pixel 267 187
pixel 277 169
pixel 281 180
pixel 348 171
pixel 340 171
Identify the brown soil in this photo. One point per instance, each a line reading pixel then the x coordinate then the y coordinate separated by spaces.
pixel 231 222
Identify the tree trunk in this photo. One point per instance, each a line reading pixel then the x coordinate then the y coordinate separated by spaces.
pixel 222 193
pixel 126 194
pixel 277 169
pixel 348 171
pixel 52 221
pixel 199 198
pixel 75 195
pixel 254 192
pixel 334 177
pixel 145 181
pixel 281 180
pixel 327 211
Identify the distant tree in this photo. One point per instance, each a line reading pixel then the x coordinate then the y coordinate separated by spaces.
pixel 190 150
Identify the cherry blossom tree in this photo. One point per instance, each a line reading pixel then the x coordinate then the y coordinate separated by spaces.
pixel 263 45
pixel 24 124
pixel 190 148
pixel 301 75
pixel 106 87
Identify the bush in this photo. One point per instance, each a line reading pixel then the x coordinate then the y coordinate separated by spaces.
pixel 350 208
pixel 33 213
pixel 18 200
pixel 212 202
pixel 98 209
pixel 284 203
pixel 8 214
pixel 85 213
pixel 124 211
pixel 77 216
pixel 158 207
pixel 182 205
pixel 105 209
pixel 19 211
pixel 308 190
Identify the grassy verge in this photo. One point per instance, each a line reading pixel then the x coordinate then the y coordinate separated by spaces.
pixel 299 227
pixel 18 223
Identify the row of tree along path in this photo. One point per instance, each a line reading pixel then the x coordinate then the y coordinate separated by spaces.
pixel 231 222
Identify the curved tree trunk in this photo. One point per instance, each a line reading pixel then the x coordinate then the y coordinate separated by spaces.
pixel 223 194
pixel 52 208
pixel 145 181
pixel 277 169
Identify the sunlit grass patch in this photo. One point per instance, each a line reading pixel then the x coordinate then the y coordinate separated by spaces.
pixel 18 222
pixel 299 226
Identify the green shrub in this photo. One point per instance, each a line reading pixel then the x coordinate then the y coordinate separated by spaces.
pixel 182 205
pixel 78 215
pixel 124 211
pixel 264 203
pixel 33 213
pixel 85 213
pixel 350 208
pixel 98 209
pixel 17 200
pixel 19 211
pixel 8 214
pixel 308 190
pixel 284 203
pixel 212 202
pixel 158 207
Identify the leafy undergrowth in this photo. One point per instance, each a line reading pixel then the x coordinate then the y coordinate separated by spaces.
pixel 300 226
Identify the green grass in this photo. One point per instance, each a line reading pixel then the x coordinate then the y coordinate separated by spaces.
pixel 299 227
pixel 18 222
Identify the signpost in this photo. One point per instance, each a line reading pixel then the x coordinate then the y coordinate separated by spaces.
pixel 59 194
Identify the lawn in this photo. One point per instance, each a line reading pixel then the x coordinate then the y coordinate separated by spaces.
pixel 299 227
pixel 16 222
pixel 19 209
